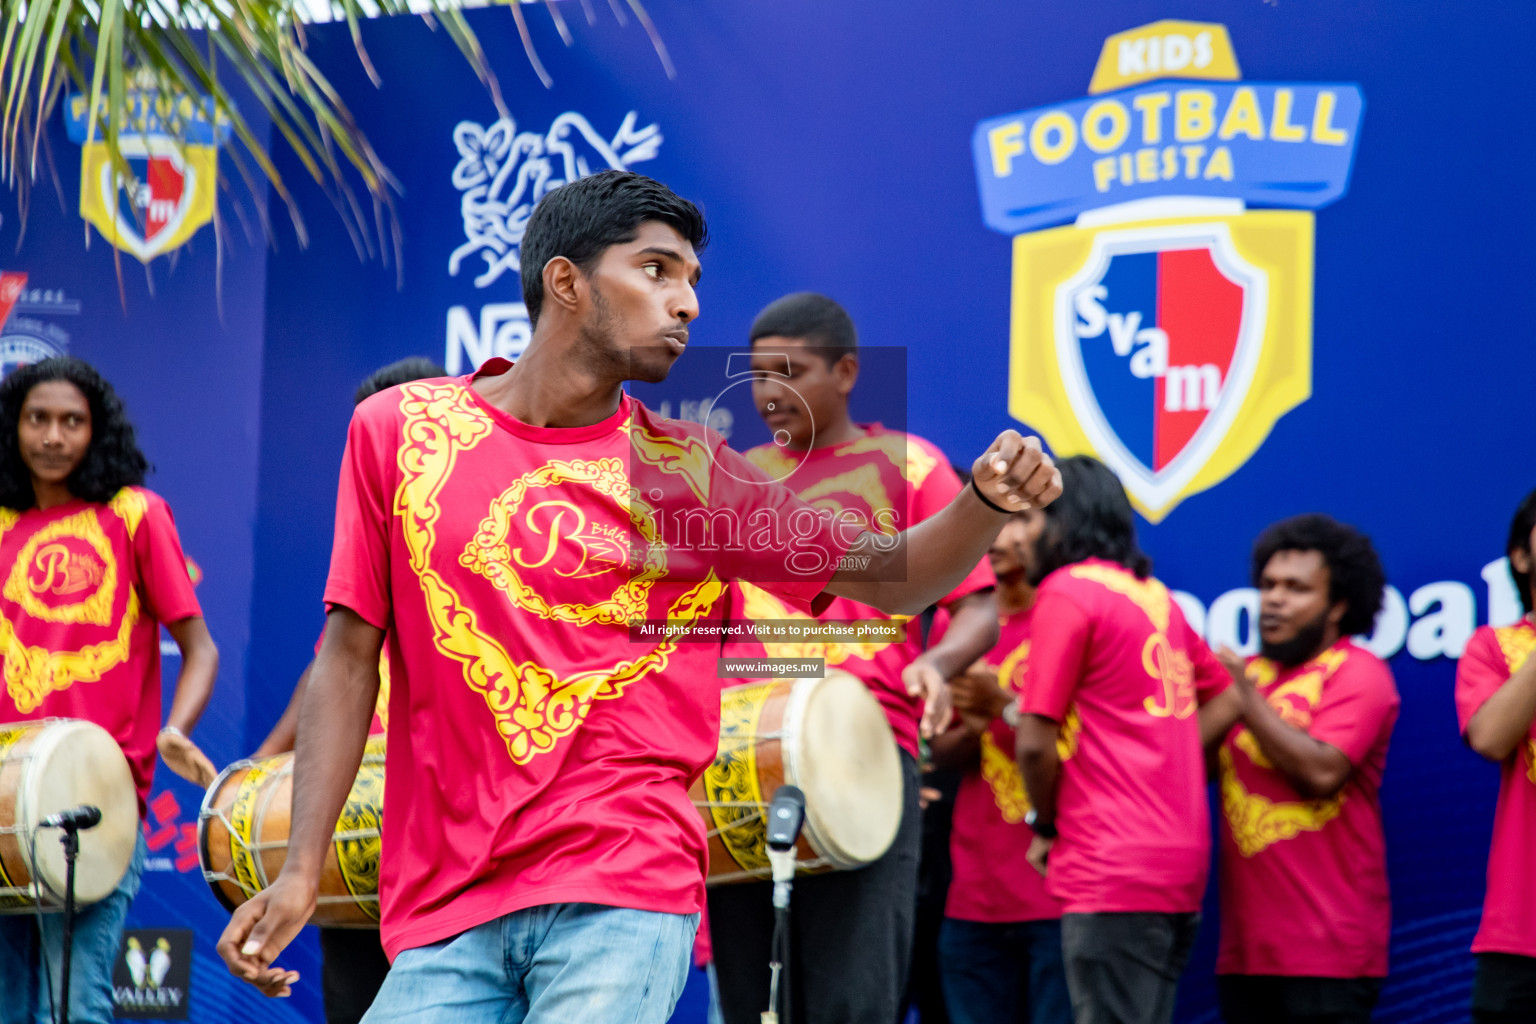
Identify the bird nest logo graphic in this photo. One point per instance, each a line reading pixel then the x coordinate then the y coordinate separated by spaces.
pixel 503 172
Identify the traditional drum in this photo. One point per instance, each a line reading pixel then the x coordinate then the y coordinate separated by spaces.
pixel 51 766
pixel 829 737
pixel 242 835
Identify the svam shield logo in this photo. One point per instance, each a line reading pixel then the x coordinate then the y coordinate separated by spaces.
pixel 1156 340
pixel 165 197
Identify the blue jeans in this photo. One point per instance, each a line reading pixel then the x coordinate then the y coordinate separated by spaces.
pixel 98 938
pixel 565 963
pixel 1003 973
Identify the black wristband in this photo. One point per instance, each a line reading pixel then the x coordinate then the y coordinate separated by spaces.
pixel 990 504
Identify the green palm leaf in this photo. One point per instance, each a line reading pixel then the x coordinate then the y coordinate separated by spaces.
pixel 112 53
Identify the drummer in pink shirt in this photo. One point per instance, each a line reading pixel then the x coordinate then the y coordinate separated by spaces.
pixel 1496 707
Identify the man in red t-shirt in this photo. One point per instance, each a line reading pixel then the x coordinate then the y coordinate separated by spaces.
pixel 1116 699
pixel 352 960
pixel 526 541
pixel 1496 707
pixel 1305 912
pixel 851 931
pixel 1000 944
pixel 95 568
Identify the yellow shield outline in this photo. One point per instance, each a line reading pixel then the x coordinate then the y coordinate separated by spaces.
pixel 1276 244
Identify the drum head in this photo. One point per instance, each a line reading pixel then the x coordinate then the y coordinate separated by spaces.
pixel 846 762
pixel 73 763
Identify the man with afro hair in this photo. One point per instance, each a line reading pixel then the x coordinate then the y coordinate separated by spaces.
pixel 1305 912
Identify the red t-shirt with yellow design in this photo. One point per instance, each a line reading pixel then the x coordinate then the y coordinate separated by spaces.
pixel 1112 658
pixel 1304 882
pixel 884 482
pixel 86 588
pixel 1509 910
pixel 992 881
pixel 536 754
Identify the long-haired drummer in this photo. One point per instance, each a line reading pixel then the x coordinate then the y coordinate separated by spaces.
pixel 1109 744
pixel 93 568
pixel 510 531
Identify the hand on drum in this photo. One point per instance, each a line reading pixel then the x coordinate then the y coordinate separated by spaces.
pixel 923 679
pixel 184 758
pixel 1015 474
pixel 261 928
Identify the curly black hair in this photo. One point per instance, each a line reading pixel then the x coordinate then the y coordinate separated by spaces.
pixel 1355 575
pixel 1091 519
pixel 1520 540
pixel 113 460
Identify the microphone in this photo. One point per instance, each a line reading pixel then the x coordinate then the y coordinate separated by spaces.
pixel 786 815
pixel 82 817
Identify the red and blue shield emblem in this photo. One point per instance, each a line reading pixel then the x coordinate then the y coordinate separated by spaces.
pixel 1157 338
pixel 154 197
pixel 166 193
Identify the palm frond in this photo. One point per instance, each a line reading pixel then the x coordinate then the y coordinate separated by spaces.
pixel 112 54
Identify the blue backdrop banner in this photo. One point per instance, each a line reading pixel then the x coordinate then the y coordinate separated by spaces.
pixel 1191 247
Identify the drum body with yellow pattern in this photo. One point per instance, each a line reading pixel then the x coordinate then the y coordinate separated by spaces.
pixel 827 736
pixel 243 834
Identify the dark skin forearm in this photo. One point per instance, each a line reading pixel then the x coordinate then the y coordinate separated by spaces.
pixel 958 750
pixel 971 634
pixel 199 669
pixel 1505 718
pixel 921 565
pixel 333 728
pixel 281 739
pixel 1315 769
pixel 1039 763
pixel 1217 716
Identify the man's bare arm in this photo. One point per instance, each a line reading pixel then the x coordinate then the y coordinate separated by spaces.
pixel 1315 769
pixel 1497 728
pixel 1217 716
pixel 194 685
pixel 333 728
pixel 957 750
pixel 972 633
pixel 1039 762
pixel 904 574
pixel 281 739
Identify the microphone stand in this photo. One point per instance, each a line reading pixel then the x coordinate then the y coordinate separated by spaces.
pixel 783 864
pixel 786 816
pixel 71 841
